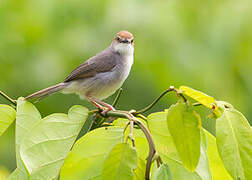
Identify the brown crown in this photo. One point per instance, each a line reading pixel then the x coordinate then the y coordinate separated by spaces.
pixel 125 35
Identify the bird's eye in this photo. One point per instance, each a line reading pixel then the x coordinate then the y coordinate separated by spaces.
pixel 132 41
pixel 118 39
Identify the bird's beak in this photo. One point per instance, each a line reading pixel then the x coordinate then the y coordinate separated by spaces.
pixel 126 41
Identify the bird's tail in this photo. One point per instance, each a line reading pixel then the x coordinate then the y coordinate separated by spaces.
pixel 46 92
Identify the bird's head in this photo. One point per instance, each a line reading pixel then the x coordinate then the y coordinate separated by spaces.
pixel 123 43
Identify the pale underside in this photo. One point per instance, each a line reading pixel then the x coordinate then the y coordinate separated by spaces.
pixel 102 85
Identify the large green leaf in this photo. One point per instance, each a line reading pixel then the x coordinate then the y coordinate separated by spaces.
pixel 163 173
pixel 7 116
pixel 120 162
pixel 217 168
pixel 184 125
pixel 46 146
pixel 89 152
pixel 42 144
pixel 157 124
pixel 178 170
pixel 234 142
pixel 27 117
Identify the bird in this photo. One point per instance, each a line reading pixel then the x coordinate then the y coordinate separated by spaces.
pixel 100 76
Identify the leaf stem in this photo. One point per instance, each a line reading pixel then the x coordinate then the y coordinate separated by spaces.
pixel 12 101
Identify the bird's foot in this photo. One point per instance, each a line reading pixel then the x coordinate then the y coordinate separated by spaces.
pixel 108 108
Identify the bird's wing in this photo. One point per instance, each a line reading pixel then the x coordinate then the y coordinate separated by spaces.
pixel 103 62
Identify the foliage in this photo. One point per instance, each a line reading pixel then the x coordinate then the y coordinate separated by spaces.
pixel 184 125
pixel 203 44
pixel 7 116
pixel 179 147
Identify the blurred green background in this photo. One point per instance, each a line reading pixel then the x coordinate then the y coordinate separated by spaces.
pixel 206 45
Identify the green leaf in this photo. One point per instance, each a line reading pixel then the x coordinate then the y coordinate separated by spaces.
pixel 47 144
pixel 18 174
pixel 179 171
pixel 7 116
pixel 217 168
pixel 86 158
pixel 41 145
pixel 27 117
pixel 234 142
pixel 163 173
pixel 157 125
pixel 120 162
pixel 184 125
pixel 200 97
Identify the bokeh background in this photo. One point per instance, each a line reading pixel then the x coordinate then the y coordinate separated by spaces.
pixel 206 45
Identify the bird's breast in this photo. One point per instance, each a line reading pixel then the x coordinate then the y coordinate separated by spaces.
pixel 124 67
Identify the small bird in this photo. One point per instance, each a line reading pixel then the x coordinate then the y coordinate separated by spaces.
pixel 100 76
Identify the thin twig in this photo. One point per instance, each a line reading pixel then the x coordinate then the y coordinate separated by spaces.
pixel 117 97
pixel 179 93
pixel 142 117
pixel 130 135
pixel 152 149
pixel 155 101
pixel 124 129
pixel 14 102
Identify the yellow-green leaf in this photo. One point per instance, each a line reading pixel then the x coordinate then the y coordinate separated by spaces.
pixel 184 125
pixel 200 97
pixel 7 116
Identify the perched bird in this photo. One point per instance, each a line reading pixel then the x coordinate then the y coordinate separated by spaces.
pixel 100 76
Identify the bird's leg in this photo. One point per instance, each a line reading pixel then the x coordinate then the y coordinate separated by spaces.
pixel 108 106
pixel 96 104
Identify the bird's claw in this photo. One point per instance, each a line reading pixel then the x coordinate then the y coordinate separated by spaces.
pixel 106 110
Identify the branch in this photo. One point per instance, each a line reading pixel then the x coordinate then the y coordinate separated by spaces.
pixel 14 102
pixel 97 120
pixel 171 88
pixel 130 135
pixel 117 97
pixel 152 149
